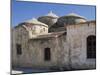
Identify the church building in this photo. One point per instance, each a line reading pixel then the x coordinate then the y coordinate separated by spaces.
pixel 51 41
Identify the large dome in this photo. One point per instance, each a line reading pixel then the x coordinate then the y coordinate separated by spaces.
pixel 69 19
pixel 49 19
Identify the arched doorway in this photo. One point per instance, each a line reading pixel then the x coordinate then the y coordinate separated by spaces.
pixel 91 46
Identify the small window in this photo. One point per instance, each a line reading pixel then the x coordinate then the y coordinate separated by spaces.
pixel 47 54
pixel 91 47
pixel 43 29
pixel 19 49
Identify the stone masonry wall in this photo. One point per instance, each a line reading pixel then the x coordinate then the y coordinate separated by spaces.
pixel 66 50
pixel 20 36
pixel 76 39
pixel 37 47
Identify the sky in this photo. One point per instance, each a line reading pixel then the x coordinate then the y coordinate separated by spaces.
pixel 22 11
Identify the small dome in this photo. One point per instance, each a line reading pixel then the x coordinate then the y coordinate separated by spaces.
pixel 35 22
pixel 49 19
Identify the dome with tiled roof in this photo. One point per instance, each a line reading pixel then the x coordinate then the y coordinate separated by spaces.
pixel 70 19
pixel 35 27
pixel 35 22
pixel 49 19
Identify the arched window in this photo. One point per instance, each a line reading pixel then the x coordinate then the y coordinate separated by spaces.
pixel 47 54
pixel 91 46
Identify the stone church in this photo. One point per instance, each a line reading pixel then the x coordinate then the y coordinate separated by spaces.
pixel 51 41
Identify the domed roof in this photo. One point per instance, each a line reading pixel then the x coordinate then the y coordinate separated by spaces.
pixel 70 19
pixel 48 19
pixel 35 22
pixel 74 15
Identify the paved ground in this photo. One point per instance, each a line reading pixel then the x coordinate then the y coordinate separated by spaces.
pixel 29 70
